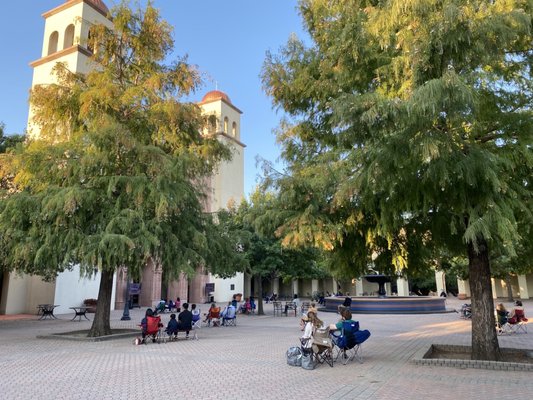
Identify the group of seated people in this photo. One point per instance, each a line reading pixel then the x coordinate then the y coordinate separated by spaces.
pixel 151 323
pixel 345 334
pixel 513 317
pixel 248 306
pixel 216 317
pixel 164 305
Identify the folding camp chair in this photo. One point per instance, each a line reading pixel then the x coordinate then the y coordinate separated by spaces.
pixel 518 322
pixel 348 343
pixel 278 308
pixel 214 317
pixel 229 318
pixel 153 329
pixel 322 347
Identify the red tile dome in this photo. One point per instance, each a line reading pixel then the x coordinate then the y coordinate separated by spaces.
pixel 215 95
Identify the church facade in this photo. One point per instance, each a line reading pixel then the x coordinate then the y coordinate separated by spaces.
pixel 65 36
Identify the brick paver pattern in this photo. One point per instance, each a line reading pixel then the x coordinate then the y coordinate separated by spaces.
pixel 248 362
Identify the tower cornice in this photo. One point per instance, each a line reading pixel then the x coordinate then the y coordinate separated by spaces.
pixel 71 3
pixel 59 54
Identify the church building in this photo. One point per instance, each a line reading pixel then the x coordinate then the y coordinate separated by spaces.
pixel 67 28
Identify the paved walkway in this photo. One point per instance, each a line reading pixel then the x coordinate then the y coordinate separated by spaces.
pixel 247 362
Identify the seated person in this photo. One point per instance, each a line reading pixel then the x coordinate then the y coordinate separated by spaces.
pixel 501 314
pixel 517 314
pixel 312 309
pixel 228 312
pixel 311 325
pixel 359 335
pixel 234 302
pixel 185 319
pixel 172 327
pixel 150 325
pixel 296 302
pixel 195 313
pixel 144 322
pixel 212 314
pixel 346 304
pixel 246 307
pixel 170 305
pixel 160 307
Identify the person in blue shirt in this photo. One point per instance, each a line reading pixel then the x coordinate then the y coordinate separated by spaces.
pixel 172 327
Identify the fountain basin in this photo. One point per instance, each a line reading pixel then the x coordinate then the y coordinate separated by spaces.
pixel 390 305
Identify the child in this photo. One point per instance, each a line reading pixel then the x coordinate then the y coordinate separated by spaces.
pixel 178 305
pixel 195 314
pixel 172 327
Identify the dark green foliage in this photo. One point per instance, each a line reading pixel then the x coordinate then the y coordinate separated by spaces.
pixel 409 134
pixel 113 179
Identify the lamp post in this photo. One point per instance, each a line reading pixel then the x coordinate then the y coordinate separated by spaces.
pixel 126 312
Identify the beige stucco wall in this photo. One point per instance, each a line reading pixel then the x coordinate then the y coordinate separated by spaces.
pixel 22 293
pixel 83 17
pixel 228 181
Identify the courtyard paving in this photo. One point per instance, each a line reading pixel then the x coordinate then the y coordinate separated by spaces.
pixel 247 362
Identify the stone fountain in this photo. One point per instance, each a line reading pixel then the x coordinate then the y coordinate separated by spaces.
pixel 383 304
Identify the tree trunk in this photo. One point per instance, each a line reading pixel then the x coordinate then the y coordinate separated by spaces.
pixel 101 325
pixel 259 286
pixel 484 338
pixel 509 288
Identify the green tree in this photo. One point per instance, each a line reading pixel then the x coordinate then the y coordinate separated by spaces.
pixel 414 121
pixel 261 251
pixel 114 177
pixel 8 141
pixel 8 145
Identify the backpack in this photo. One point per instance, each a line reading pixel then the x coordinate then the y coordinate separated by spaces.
pixel 294 356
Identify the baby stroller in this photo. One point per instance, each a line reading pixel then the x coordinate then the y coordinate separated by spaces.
pixel 466 311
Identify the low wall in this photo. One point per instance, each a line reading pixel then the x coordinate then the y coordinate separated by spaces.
pixel 390 305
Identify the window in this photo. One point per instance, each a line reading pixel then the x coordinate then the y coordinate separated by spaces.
pixel 90 44
pixel 226 122
pixel 212 124
pixel 69 37
pixel 232 287
pixel 52 42
pixel 234 129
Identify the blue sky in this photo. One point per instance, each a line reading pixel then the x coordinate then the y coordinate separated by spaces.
pixel 226 39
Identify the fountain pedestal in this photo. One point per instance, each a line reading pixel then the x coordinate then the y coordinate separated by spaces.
pixel 380 280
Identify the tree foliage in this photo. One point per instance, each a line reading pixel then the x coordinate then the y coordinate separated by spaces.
pixel 408 134
pixel 260 251
pixel 114 177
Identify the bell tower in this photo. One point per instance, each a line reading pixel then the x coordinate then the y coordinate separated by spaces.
pixel 226 185
pixel 66 32
pixel 224 121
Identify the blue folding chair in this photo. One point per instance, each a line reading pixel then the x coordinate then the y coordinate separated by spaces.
pixel 348 343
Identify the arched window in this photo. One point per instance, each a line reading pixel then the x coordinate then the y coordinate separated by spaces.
pixel 212 124
pixel 234 129
pixel 226 123
pixel 52 42
pixel 68 41
pixel 90 45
